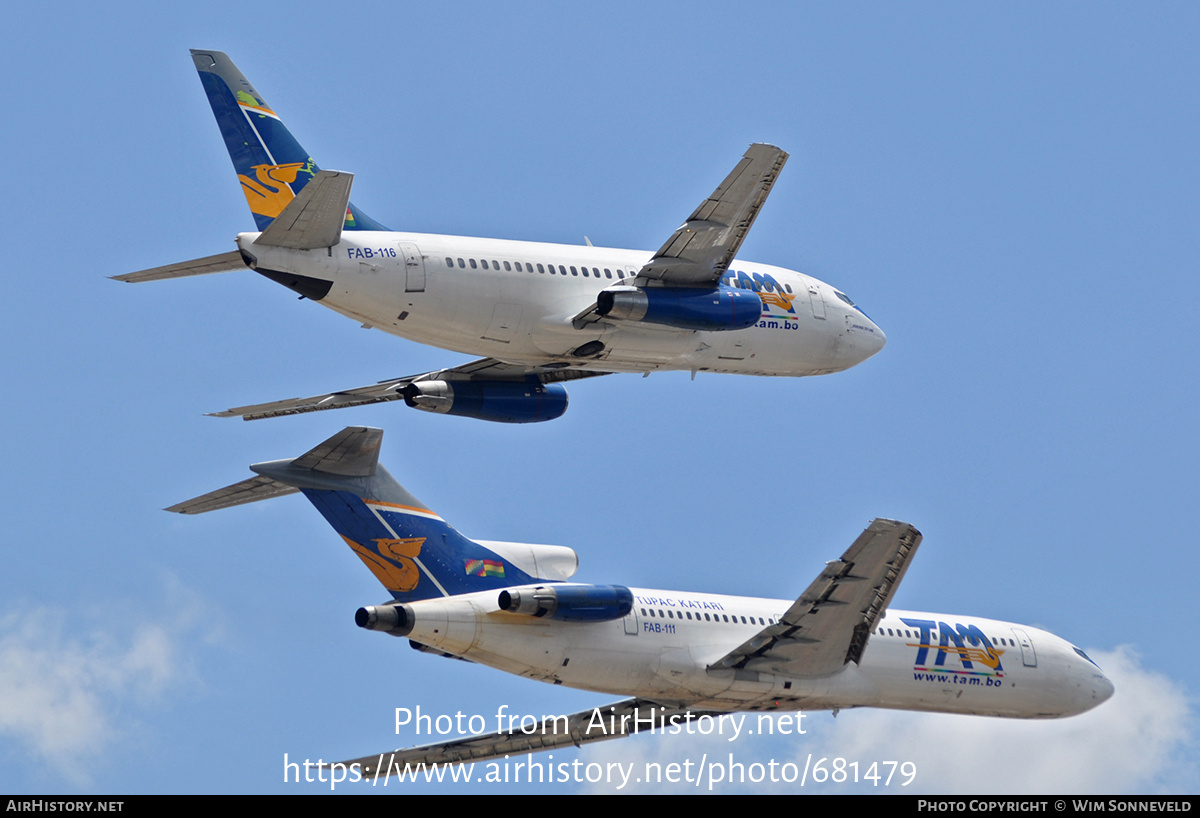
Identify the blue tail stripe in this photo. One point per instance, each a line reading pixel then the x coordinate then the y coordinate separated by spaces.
pixel 272 164
pixel 447 562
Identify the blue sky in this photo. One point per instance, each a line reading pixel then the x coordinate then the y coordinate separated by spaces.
pixel 1010 191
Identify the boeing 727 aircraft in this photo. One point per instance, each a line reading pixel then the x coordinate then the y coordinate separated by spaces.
pixel 540 314
pixel 676 655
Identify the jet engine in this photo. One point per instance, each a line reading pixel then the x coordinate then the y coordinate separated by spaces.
pixel 572 603
pixel 500 401
pixel 696 308
pixel 394 619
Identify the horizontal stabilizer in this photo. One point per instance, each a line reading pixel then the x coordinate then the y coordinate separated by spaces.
pixel 247 491
pixel 315 217
pixel 352 452
pixel 222 263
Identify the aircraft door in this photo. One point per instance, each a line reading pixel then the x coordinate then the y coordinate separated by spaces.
pixel 632 626
pixel 816 302
pixel 414 268
pixel 1028 654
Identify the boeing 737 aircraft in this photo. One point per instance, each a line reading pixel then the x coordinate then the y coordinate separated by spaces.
pixel 676 655
pixel 540 314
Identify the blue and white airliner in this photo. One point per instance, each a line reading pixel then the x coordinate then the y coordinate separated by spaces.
pixel 538 314
pixel 674 655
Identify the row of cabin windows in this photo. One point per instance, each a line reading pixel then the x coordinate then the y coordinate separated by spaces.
pixel 525 266
pixel 996 640
pixel 669 614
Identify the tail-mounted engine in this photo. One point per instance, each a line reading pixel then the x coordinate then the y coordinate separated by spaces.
pixel 572 603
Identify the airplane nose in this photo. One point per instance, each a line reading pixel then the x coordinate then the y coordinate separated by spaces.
pixel 878 338
pixel 1102 689
pixel 866 338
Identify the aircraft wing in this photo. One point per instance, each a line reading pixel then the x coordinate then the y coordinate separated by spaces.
pixel 484 369
pixel 699 252
pixel 830 623
pixel 575 730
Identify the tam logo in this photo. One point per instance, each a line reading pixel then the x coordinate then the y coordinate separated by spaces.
pixel 967 644
pixel 769 290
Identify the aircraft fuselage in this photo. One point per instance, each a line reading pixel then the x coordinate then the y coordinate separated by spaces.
pixel 666 648
pixel 515 301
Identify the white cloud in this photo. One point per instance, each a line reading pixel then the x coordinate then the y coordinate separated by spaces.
pixel 1140 741
pixel 67 693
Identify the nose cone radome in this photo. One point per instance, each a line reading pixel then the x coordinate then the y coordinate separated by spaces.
pixel 862 339
pixel 876 341
pixel 1102 689
pixel 1083 683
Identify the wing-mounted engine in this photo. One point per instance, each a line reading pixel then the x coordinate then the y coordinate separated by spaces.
pixel 693 308
pixel 500 401
pixel 571 603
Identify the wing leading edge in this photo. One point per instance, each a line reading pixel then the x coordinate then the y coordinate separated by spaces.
pixel 830 623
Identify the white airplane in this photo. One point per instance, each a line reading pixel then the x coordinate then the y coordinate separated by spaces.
pixel 677 655
pixel 540 314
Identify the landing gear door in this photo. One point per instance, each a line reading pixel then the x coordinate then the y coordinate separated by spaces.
pixel 414 268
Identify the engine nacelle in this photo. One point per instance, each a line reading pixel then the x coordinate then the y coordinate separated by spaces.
pixel 500 401
pixel 394 619
pixel 697 308
pixel 571 603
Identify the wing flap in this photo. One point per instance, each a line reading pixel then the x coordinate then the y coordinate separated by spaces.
pixel 830 623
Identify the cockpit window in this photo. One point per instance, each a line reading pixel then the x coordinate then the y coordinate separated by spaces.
pixel 1084 655
pixel 844 297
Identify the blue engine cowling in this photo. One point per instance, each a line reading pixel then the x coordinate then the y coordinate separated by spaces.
pixel 572 603
pixel 500 401
pixel 697 308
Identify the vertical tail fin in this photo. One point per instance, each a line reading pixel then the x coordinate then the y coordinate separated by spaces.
pixel 271 165
pixel 413 552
